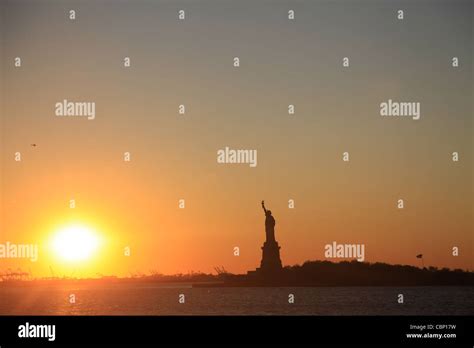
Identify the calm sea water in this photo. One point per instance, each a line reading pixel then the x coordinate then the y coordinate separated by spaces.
pixel 146 299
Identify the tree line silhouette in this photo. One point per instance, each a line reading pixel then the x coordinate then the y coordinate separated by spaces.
pixel 310 273
pixel 354 273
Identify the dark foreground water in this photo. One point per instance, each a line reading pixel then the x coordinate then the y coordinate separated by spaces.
pixel 151 299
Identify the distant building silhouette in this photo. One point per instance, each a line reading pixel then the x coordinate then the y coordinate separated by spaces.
pixel 271 262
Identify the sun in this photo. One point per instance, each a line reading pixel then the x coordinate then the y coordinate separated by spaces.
pixel 75 243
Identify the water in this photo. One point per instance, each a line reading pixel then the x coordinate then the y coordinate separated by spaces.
pixel 152 299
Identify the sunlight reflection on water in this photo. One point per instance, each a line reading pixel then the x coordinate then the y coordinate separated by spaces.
pixel 151 299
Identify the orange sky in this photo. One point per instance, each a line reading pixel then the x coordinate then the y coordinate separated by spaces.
pixel 174 157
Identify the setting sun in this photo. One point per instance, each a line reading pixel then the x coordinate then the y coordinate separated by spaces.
pixel 75 243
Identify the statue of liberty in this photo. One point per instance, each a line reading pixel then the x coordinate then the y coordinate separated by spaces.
pixel 269 224
pixel 270 266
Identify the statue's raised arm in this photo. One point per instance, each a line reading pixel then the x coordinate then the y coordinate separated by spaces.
pixel 263 206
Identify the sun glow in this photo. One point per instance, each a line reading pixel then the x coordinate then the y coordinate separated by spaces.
pixel 75 243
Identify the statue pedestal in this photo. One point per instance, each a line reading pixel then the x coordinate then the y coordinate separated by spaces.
pixel 271 262
pixel 270 267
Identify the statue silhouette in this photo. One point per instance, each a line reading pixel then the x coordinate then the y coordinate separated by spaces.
pixel 270 266
pixel 269 224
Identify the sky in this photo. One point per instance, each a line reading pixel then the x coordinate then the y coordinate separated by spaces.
pixel 337 109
